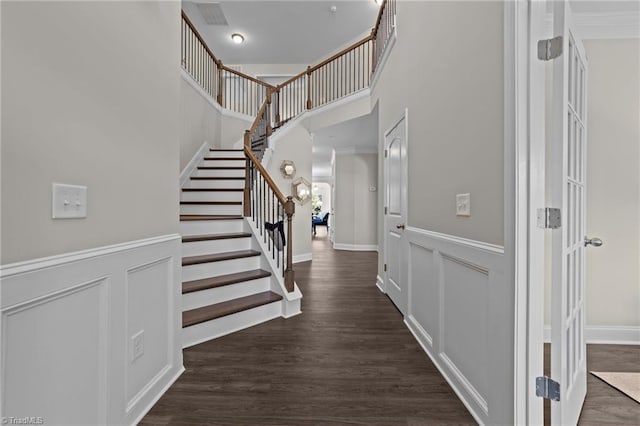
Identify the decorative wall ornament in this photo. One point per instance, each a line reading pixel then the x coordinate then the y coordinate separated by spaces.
pixel 301 190
pixel 288 169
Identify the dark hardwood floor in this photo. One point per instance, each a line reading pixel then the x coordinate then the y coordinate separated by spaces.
pixel 346 360
pixel 605 405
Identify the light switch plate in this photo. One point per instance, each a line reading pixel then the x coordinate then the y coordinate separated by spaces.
pixel 463 204
pixel 69 201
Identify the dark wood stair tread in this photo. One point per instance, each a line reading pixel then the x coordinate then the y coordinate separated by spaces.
pixel 211 312
pixel 220 168
pixel 216 178
pixel 189 217
pixel 218 257
pixel 212 203
pixel 222 280
pixel 225 158
pixel 209 237
pixel 213 189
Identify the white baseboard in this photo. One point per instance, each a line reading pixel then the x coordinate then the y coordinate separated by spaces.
pixel 193 163
pixel 605 335
pixel 157 397
pixel 304 257
pixel 380 284
pixel 355 247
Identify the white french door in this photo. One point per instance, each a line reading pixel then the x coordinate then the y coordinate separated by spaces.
pixel 395 214
pixel 568 177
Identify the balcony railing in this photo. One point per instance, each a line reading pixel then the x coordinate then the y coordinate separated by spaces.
pixel 343 74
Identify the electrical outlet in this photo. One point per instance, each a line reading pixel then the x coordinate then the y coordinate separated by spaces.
pixel 137 345
pixel 463 204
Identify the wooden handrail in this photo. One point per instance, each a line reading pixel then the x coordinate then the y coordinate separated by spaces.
pixel 197 34
pixel 341 53
pixel 383 6
pixel 258 165
pixel 248 77
pixel 256 122
pixel 291 80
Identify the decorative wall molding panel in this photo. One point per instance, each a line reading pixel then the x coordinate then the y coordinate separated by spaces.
pixel 91 337
pixel 461 312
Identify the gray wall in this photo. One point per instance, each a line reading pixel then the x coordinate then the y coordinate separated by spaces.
pixel 355 206
pixel 85 104
pixel 613 182
pixel 294 145
pixel 452 83
pixel 200 120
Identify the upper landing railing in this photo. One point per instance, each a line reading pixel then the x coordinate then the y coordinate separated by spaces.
pixel 343 74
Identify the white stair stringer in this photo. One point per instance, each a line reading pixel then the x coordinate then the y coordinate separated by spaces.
pixel 290 301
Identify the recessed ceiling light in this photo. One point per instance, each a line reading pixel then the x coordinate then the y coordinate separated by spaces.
pixel 237 38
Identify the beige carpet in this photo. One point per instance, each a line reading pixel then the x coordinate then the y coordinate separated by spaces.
pixel 627 383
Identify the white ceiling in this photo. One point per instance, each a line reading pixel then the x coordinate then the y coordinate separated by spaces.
pixel 356 135
pixel 283 32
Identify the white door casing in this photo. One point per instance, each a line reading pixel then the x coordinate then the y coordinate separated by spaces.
pixel 395 165
pixel 568 348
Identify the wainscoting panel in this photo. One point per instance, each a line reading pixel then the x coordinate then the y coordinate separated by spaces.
pixel 52 360
pixel 70 332
pixel 424 292
pixel 461 312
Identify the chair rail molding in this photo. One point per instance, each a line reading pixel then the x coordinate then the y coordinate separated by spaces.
pixel 104 332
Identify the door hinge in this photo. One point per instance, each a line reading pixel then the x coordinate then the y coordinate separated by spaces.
pixel 547 388
pixel 386 209
pixel 385 267
pixel 549 218
pixel 550 48
pixel 386 153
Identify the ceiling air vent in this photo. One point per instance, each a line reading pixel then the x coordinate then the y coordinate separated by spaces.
pixel 212 13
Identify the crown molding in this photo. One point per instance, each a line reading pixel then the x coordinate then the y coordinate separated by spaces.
pixel 610 25
pixel 602 25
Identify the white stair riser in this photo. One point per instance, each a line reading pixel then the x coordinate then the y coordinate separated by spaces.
pixel 228 324
pixel 239 154
pixel 212 196
pixel 201 298
pixel 216 184
pixel 223 163
pixel 211 209
pixel 203 227
pixel 214 269
pixel 215 246
pixel 219 173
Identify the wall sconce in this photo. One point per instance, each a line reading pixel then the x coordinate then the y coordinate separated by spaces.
pixel 301 190
pixel 288 169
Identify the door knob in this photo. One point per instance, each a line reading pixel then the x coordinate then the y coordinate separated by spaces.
pixel 596 242
pixel 401 226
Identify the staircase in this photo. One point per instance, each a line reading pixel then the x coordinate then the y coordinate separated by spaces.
pixel 228 284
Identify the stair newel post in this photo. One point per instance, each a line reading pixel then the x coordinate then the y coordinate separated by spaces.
pixel 247 176
pixel 220 86
pixel 289 210
pixel 373 49
pixel 277 92
pixel 309 103
pixel 267 117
